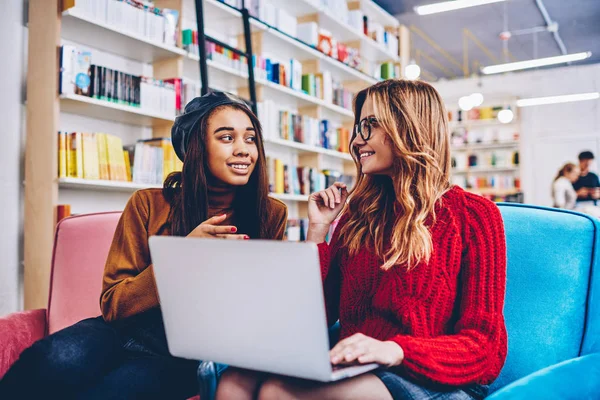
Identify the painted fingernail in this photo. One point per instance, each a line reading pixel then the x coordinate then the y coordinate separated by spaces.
pixel 246 237
pixel 233 229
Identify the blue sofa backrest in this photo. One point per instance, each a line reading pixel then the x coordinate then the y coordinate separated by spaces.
pixel 552 306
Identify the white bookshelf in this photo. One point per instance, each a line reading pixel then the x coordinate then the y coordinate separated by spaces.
pixel 289 197
pixel 120 49
pixel 301 147
pixel 104 185
pixel 81 28
pixel 117 186
pixel 162 61
pixel 485 170
pixel 486 146
pixel 475 123
pixel 222 72
pixel 102 109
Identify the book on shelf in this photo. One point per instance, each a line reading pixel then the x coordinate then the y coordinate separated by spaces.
pixel 100 156
pixel 153 160
pixel 298 180
pixel 281 123
pixel 78 75
pixel 296 229
pixel 139 18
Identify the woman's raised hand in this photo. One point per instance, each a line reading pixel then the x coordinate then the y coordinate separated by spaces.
pixel 211 229
pixel 323 208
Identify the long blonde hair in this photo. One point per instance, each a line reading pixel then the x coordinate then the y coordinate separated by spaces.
pixel 414 118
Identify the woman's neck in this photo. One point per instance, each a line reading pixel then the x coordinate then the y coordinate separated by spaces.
pixel 220 196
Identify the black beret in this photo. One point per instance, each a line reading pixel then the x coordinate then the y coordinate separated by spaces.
pixel 187 123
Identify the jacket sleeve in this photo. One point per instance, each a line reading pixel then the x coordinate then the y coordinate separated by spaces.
pixel 476 351
pixel 128 285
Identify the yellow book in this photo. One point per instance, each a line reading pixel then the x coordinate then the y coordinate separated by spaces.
pixel 90 156
pixel 127 165
pixel 279 177
pixel 116 162
pixel 178 163
pixel 62 154
pixel 75 161
pixel 170 158
pixel 102 156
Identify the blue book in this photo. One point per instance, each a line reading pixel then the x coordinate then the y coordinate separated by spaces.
pixel 269 69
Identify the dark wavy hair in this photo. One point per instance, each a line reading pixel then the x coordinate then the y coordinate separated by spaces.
pixel 187 191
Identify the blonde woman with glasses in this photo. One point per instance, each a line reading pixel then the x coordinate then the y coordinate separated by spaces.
pixel 415 271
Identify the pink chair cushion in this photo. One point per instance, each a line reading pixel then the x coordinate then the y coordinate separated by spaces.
pixel 81 247
pixel 19 331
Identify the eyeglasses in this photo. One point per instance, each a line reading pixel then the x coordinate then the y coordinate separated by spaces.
pixel 364 127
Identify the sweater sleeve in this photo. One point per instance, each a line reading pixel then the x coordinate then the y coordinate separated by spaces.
pixel 330 273
pixel 476 351
pixel 128 285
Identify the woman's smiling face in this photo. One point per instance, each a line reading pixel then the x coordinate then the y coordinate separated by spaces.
pixel 231 146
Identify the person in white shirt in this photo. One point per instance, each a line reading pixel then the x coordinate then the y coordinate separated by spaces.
pixel 563 193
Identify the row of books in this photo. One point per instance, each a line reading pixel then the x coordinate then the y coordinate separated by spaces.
pixel 92 156
pixel 296 230
pixel 495 158
pixel 153 160
pixel 288 74
pixel 101 156
pixel 475 114
pixel 298 180
pixel 280 123
pixel 140 18
pixel 496 181
pixel 312 34
pixel 78 75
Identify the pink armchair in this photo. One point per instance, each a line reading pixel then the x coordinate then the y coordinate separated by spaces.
pixel 81 246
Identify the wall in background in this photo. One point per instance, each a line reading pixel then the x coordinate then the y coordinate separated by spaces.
pixel 13 48
pixel 552 134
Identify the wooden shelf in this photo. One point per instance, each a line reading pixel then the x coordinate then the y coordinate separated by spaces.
pixel 82 29
pixel 117 186
pixel 481 170
pixel 485 146
pixel 309 149
pixel 101 109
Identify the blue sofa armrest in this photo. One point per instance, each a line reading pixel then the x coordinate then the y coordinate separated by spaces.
pixel 578 378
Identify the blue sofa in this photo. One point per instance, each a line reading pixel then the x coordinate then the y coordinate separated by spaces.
pixel 552 307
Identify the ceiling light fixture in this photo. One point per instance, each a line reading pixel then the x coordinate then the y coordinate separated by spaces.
pixel 506 116
pixel 451 6
pixel 538 101
pixel 538 62
pixel 412 71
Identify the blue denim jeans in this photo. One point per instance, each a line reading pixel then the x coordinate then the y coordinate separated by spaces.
pixel 403 389
pixel 96 360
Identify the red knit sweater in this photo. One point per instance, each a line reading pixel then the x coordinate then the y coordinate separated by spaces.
pixel 446 314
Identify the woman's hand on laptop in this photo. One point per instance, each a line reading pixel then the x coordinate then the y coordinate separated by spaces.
pixel 211 229
pixel 323 208
pixel 364 350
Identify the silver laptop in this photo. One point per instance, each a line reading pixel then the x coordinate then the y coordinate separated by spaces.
pixel 250 304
